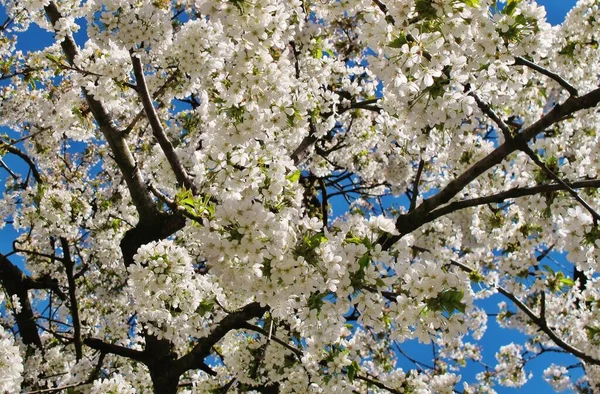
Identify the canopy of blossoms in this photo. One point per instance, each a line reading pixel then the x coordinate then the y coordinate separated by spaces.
pixel 275 196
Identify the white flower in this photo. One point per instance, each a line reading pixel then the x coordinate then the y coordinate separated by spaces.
pixel 11 364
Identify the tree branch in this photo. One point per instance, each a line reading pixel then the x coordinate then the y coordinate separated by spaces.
pixel 233 321
pixel 377 384
pixel 297 352
pixel 415 190
pixel 173 205
pixel 568 188
pixel 384 10
pixel 183 178
pixel 324 201
pixel 10 172
pixel 104 347
pixel 520 61
pixel 140 196
pixel 486 109
pixel 17 152
pixel 14 281
pixel 69 265
pixel 156 95
pixel 538 321
pixel 411 221
pixel 508 194
pixel 301 152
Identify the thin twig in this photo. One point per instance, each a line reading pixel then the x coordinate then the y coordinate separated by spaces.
pixel 297 352
pixel 173 205
pixel 520 61
pixel 526 149
pixel 415 191
pixel 538 321
pixel 377 384
pixel 17 152
pixel 31 135
pixel 10 172
pixel 57 389
pixel 155 96
pixel 486 109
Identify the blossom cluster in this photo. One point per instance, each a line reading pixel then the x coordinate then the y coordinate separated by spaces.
pixel 225 179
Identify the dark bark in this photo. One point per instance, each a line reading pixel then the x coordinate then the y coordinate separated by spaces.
pixel 69 265
pixel 183 178
pixel 233 321
pixel 14 281
pixel 155 229
pixel 142 199
pixel 411 221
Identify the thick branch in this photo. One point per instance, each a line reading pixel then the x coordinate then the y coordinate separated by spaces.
pixel 140 196
pixel 14 281
pixel 301 152
pixel 181 174
pixel 16 151
pixel 508 194
pixel 69 266
pixel 415 219
pixel 163 226
pixel 560 111
pixel 233 321
pixel 115 349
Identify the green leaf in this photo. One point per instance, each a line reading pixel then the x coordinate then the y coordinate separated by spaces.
pixel 329 52
pixel 364 261
pixel 315 301
pixel 548 268
pixel 471 3
pixel 316 240
pixel 476 277
pixel 510 7
pixel 54 59
pixel 205 307
pixel 593 332
pixel 294 177
pixel 398 41
pixel 239 4
pixel 567 282
pixel 352 369
pixel 449 300
pixel 185 198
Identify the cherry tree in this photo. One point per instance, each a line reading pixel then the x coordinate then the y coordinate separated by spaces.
pixel 273 196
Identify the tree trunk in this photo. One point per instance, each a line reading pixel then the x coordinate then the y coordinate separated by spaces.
pixel 164 381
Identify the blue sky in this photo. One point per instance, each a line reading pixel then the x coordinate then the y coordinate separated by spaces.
pixel 556 11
